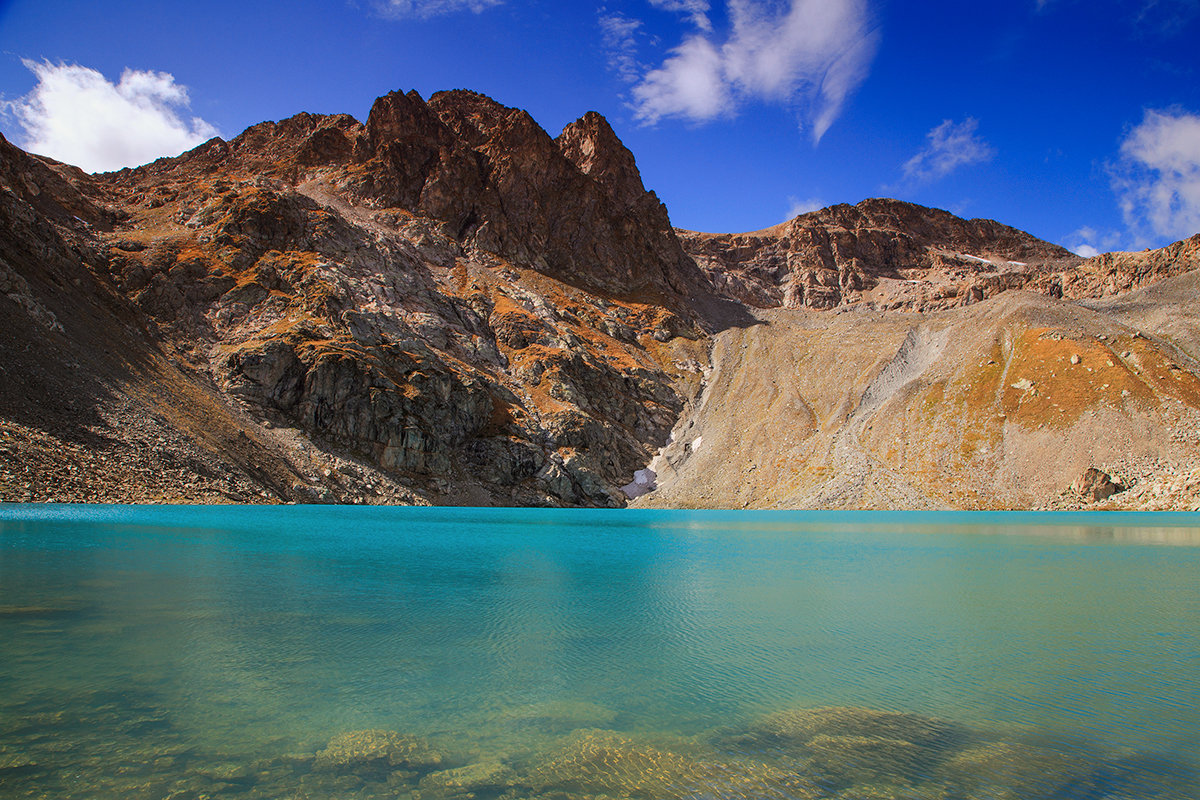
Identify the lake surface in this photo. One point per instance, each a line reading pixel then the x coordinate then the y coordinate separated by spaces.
pixel 335 652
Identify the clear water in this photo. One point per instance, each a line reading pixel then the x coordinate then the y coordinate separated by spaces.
pixel 313 652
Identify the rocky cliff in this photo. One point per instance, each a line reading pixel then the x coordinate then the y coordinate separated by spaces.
pixel 444 304
pixel 893 255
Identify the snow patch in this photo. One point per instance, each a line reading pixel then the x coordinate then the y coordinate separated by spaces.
pixel 644 482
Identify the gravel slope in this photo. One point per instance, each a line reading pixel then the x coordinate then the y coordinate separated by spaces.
pixel 999 405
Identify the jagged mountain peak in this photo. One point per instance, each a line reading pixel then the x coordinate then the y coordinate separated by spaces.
pixel 489 173
pixel 591 144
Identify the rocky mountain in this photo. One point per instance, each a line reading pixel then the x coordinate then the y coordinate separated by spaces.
pixel 444 304
pixel 900 256
pixel 1002 404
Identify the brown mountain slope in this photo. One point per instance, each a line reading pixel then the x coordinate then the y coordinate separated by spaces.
pixel 999 405
pixel 443 304
pixel 886 253
pixel 892 255
pixel 90 407
pixel 441 297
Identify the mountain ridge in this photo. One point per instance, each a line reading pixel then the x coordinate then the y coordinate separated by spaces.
pixel 441 304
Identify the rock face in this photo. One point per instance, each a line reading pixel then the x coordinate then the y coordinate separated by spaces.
pixel 887 253
pixel 445 296
pixel 445 304
pixel 1112 274
pixel 891 255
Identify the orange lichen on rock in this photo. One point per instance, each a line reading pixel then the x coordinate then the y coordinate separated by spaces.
pixel 1053 379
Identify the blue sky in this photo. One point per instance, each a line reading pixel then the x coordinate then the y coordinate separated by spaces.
pixel 1077 120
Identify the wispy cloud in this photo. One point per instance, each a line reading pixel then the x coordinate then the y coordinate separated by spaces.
pixel 697 10
pixel 691 84
pixel 1157 179
pixel 1167 17
pixel 1159 18
pixel 618 34
pixel 810 54
pixel 424 9
pixel 796 206
pixel 1089 242
pixel 74 114
pixel 950 145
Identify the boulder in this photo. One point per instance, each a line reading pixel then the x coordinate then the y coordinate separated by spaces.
pixel 1096 485
pixel 1017 771
pixel 376 750
pixel 466 781
pixel 805 724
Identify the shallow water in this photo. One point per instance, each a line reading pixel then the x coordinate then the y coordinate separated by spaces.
pixel 365 652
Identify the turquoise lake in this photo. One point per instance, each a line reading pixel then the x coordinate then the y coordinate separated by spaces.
pixel 365 652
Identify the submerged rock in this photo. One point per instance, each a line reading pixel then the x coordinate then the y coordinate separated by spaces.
pixel 16 761
pixel 467 781
pixel 374 749
pixel 1017 771
pixel 804 724
pixel 607 763
pixel 858 760
pixel 39 610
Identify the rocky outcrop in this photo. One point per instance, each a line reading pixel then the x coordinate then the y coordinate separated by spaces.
pixel 573 208
pixel 891 254
pixel 445 293
pixel 1112 274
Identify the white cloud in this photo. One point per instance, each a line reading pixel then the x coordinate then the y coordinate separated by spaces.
pixel 1088 242
pixel 807 53
pixel 796 206
pixel 951 145
pixel 618 33
pixel 74 114
pixel 691 83
pixel 1157 180
pixel 424 9
pixel 697 10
